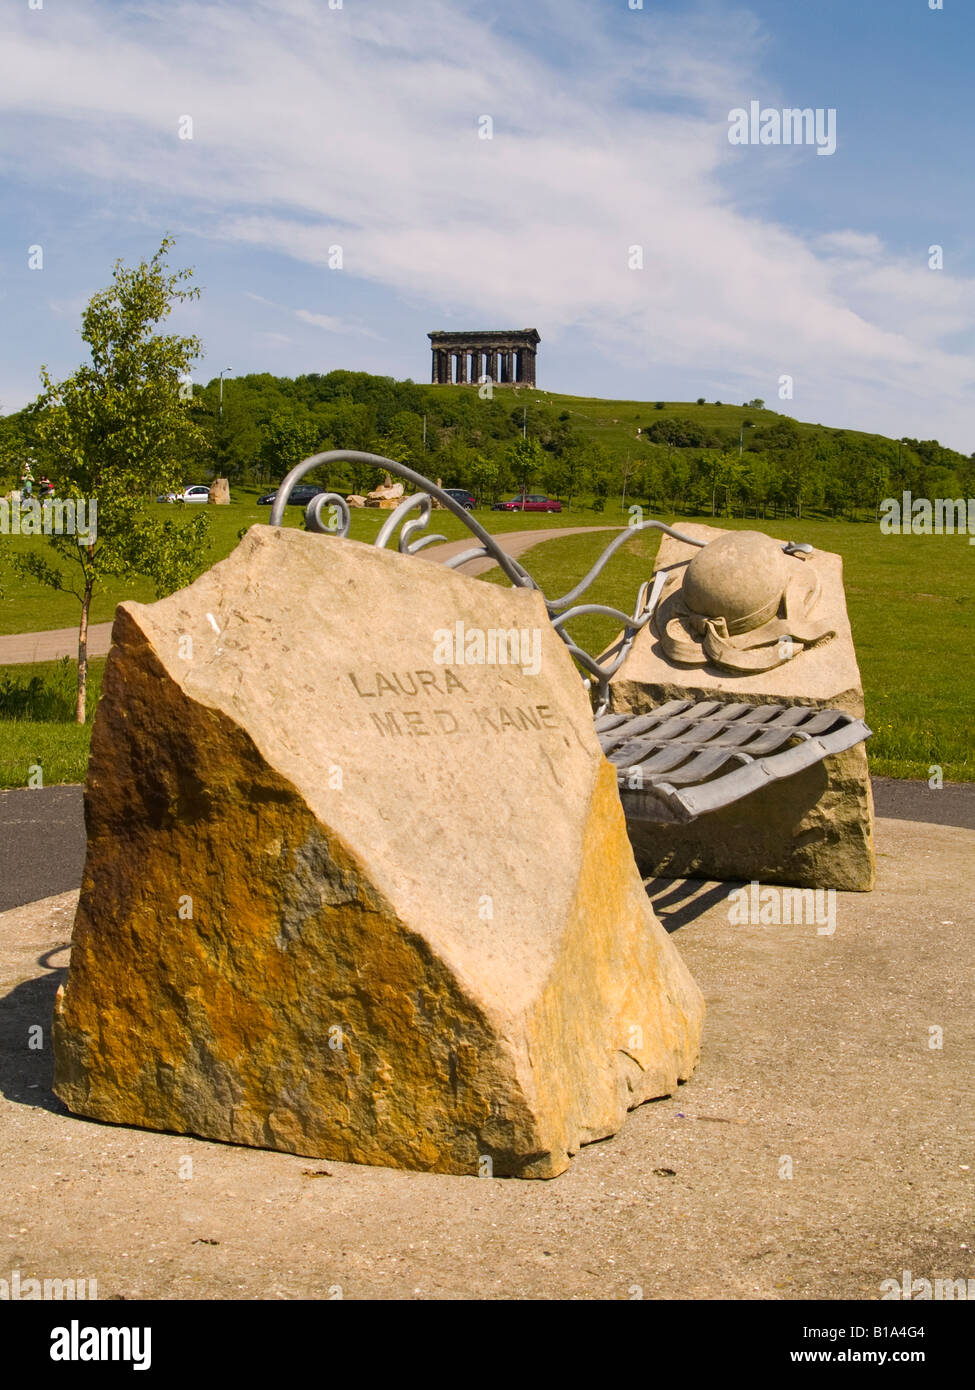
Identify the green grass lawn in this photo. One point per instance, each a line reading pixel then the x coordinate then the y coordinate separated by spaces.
pixel 910 602
pixel 37 728
pixel 26 606
pixel 911 610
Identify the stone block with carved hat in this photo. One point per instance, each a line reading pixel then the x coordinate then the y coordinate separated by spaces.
pixel 743 621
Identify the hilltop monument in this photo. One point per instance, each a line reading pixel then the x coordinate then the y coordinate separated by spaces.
pixel 507 357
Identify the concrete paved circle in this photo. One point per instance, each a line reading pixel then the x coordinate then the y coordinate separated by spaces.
pixel 822 1146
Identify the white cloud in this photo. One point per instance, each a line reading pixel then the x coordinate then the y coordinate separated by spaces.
pixel 273 340
pixel 359 127
pixel 332 324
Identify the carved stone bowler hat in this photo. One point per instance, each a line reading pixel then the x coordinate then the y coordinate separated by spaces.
pixel 742 603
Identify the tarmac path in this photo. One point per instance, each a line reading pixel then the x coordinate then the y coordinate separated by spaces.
pixel 42 831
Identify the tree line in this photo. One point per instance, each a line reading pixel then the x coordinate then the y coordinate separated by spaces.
pixel 764 465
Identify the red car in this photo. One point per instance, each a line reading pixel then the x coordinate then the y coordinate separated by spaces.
pixel 530 502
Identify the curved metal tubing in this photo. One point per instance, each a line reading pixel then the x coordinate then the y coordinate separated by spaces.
pixel 614 545
pixel 489 549
pixel 418 502
pixel 515 573
pixel 313 514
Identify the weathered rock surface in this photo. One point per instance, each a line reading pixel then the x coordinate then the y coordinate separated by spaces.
pixel 344 900
pixel 219 493
pixel 814 829
pixel 388 495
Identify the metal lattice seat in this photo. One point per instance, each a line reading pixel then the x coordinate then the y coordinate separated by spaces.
pixel 683 759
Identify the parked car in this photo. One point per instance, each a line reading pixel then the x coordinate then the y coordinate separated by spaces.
pixel 299 496
pixel 461 495
pixel 199 492
pixel 530 502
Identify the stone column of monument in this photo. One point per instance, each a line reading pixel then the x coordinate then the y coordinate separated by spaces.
pixel 445 367
pixel 461 367
pixel 529 368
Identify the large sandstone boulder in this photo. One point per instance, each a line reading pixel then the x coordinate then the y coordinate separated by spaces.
pixel 814 829
pixel 219 493
pixel 349 898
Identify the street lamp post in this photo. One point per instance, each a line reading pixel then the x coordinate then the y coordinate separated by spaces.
pixel 226 370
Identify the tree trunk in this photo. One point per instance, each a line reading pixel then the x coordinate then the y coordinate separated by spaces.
pixel 83 656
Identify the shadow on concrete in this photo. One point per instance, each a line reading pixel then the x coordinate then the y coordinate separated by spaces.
pixel 679 901
pixel 26 1073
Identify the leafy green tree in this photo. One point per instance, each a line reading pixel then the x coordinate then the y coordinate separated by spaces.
pixel 114 434
pixel 526 459
pixel 352 425
pixel 287 437
pixel 571 466
pixel 485 477
pixel 599 474
pixel 555 475
pixel 757 484
pixel 402 439
pixel 731 479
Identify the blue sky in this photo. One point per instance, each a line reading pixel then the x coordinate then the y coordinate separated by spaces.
pixel 358 126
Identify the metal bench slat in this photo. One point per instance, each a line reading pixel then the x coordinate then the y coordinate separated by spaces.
pixel 678 754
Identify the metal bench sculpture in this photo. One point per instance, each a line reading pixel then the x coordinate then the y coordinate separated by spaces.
pixel 674 764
